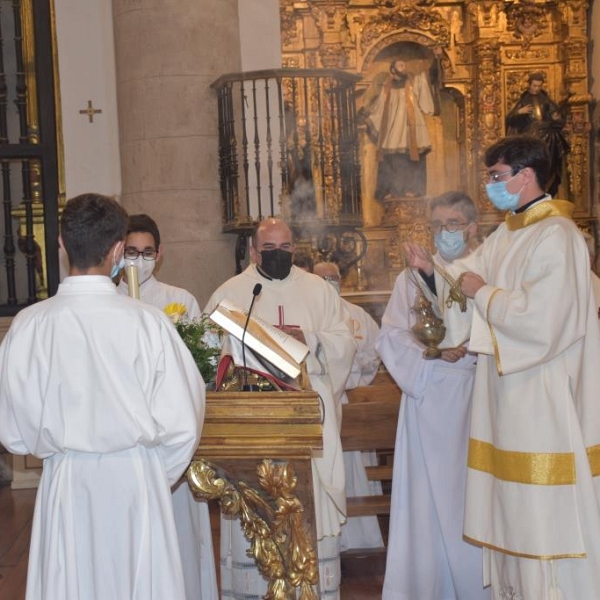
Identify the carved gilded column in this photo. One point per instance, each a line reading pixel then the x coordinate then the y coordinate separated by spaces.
pixel 489 122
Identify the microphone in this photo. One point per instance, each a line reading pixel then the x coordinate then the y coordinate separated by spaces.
pixel 255 292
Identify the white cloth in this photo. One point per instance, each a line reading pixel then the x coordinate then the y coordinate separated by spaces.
pixel 396 134
pixel 596 290
pixel 366 360
pixel 192 517
pixel 160 294
pixel 102 388
pixel 312 304
pixel 427 558
pixel 533 484
pixel 361 532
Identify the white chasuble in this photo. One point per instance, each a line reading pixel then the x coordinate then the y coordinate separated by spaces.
pixel 427 558
pixel 533 487
pixel 102 389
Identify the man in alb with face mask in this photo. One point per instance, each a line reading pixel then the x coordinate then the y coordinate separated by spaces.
pixel 533 478
pixel 192 519
pixel 143 249
pixel 308 308
pixel 427 558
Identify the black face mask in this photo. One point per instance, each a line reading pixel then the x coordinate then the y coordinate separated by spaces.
pixel 276 263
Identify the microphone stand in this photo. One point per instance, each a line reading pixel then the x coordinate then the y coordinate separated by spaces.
pixel 249 388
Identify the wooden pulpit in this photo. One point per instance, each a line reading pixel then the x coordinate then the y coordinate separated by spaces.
pixel 255 457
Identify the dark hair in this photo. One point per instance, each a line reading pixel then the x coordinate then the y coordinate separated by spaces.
pixel 520 152
pixel 537 76
pixel 144 224
pixel 90 225
pixel 458 201
pixel 303 260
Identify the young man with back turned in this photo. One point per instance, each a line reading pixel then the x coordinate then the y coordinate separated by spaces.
pixel 101 388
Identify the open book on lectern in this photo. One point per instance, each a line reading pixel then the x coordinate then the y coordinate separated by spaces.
pixel 274 345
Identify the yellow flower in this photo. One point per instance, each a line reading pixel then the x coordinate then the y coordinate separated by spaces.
pixel 175 311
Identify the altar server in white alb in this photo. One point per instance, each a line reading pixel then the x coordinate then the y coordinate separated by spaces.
pixel 102 388
pixel 533 481
pixel 427 558
pixel 143 249
pixel 358 532
pixel 308 308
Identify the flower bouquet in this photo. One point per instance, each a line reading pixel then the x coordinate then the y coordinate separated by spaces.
pixel 202 339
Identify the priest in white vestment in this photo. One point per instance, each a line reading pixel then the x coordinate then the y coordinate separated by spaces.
pixel 102 389
pixel 533 481
pixel 304 306
pixel 427 558
pixel 192 519
pixel 358 532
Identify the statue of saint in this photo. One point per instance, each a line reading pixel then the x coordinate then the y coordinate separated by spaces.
pixel 396 124
pixel 536 114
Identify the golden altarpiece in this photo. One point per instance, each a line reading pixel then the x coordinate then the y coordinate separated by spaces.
pixel 478 55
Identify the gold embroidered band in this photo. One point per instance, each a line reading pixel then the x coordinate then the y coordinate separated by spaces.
pixel 534 468
pixel 539 212
pixel 492 333
pixel 522 554
pixel 594 457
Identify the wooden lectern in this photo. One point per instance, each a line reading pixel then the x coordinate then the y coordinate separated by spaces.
pixel 255 457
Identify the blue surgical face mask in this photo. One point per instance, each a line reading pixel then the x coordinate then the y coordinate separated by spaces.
pixel 450 245
pixel 500 197
pixel 117 266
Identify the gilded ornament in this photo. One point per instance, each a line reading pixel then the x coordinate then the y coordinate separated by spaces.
pixel 279 543
pixel 526 21
pixel 406 16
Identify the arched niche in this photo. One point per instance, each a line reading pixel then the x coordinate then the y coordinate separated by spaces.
pixel 445 162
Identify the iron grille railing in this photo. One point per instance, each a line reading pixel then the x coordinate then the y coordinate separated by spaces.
pixel 288 145
pixel 28 155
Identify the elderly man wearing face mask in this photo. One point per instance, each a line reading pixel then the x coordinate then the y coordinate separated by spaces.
pixel 427 558
pixel 192 520
pixel 309 309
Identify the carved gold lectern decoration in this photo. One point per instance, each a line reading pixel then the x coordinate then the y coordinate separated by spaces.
pixel 255 457
pixel 279 544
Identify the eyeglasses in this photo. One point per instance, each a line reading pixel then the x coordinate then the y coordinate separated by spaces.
pixel 495 177
pixel 450 226
pixel 331 278
pixel 133 253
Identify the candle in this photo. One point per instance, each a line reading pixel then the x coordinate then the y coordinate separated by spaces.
pixel 133 281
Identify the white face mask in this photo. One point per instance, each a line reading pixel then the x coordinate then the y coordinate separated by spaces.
pixel 145 267
pixel 335 284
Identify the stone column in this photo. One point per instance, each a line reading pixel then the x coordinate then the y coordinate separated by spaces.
pixel 167 54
